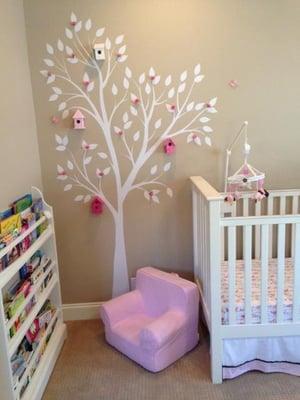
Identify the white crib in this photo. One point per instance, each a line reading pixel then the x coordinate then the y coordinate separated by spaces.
pixel 224 234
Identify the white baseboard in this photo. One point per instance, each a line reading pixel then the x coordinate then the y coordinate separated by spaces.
pixel 81 311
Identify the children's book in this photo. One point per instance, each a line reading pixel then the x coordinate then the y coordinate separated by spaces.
pixel 10 224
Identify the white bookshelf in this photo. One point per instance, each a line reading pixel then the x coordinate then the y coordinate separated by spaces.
pixel 9 389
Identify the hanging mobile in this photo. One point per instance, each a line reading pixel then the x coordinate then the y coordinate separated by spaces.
pixel 246 177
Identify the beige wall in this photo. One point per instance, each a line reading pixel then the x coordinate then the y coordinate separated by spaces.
pixel 20 164
pixel 255 42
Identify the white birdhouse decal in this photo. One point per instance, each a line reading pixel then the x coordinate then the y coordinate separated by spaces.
pixel 79 120
pixel 99 52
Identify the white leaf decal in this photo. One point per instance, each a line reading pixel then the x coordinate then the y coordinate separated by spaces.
pixel 198 78
pixel 211 110
pixel 65 114
pixel 73 17
pixel 60 45
pixel 153 170
pixel 119 39
pixel 87 160
pixel 99 32
pixel 128 72
pixel 122 58
pixel 157 124
pixel 60 148
pixel 125 83
pixel 147 195
pixel 51 79
pixel 125 117
pixel 122 50
pixel 207 129
pixel 87 198
pixel 183 76
pixel 133 110
pixel 147 88
pixel 65 140
pixel 79 197
pixel 171 93
pixel 62 106
pixel 155 199
pixel 69 33
pixel 48 62
pixel 114 89
pixel 70 165
pixel 197 140
pixel 49 49
pixel 73 60
pixel 204 119
pixel 169 192
pixel 167 166
pixel 90 86
pixel 53 97
pixel 156 80
pixel 142 78
pixel 107 44
pixel 190 106
pixel 151 72
pixel 106 171
pixel 58 139
pixel 88 24
pixel 86 77
pixel 181 88
pixel 102 155
pixel 69 51
pixel 62 177
pixel 127 125
pixel 44 73
pixel 190 137
pixel 77 27
pixel 68 187
pixel 199 106
pixel 208 140
pixel 197 69
pixel 168 80
pixel 136 136
pixel 60 169
pixel 213 101
pixel 57 90
pixel 93 146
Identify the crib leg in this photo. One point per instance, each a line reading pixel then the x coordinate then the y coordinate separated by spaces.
pixel 216 353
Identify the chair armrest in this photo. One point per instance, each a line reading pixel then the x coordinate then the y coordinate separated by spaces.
pixel 121 307
pixel 162 330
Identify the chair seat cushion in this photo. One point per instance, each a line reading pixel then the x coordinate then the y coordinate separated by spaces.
pixel 130 328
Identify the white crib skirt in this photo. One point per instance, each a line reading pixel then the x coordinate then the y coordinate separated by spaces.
pixel 271 354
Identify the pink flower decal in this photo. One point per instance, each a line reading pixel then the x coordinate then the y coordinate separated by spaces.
pixel 97 205
pixel 233 83
pixel 171 107
pixel 169 146
pixel 54 119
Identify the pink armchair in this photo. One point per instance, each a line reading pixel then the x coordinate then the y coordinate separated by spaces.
pixel 156 323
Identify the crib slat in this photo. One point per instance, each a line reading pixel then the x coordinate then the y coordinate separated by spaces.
pixel 280 271
pixel 231 272
pixel 245 207
pixel 264 273
pixel 247 247
pixel 295 207
pixel 257 230
pixel 270 212
pixel 222 243
pixel 282 205
pixel 199 225
pixel 296 296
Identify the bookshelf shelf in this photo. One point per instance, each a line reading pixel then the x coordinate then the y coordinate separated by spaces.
pixel 47 348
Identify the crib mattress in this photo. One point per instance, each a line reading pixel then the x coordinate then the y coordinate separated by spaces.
pixel 256 280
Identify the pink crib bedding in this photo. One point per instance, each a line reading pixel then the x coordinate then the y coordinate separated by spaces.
pixel 256 279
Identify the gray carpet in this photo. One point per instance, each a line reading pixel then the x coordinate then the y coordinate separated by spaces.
pixel 89 369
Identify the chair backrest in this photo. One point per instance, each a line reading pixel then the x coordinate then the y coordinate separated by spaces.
pixel 162 291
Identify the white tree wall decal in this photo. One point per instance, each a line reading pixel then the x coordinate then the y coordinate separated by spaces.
pixel 163 110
